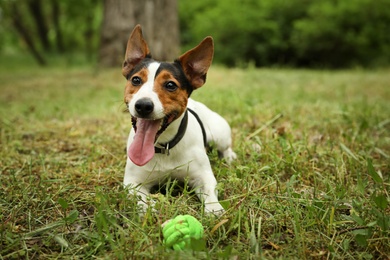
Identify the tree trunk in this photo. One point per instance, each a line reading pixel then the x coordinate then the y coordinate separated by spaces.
pixel 55 8
pixel 159 20
pixel 88 36
pixel 118 18
pixel 35 7
pixel 25 34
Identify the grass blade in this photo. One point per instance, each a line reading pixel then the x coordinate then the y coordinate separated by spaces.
pixel 48 227
pixel 348 151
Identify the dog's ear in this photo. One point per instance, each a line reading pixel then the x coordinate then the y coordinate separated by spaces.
pixel 137 50
pixel 197 61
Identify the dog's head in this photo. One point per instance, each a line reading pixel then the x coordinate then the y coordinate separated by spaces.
pixel 156 93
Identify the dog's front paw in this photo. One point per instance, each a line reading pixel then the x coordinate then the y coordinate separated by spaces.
pixel 145 206
pixel 215 209
pixel 142 208
pixel 229 155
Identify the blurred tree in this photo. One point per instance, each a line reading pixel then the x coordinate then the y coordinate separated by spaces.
pixel 259 37
pixel 303 33
pixel 35 7
pixel 50 27
pixel 25 33
pixel 56 23
pixel 159 20
pixel 343 34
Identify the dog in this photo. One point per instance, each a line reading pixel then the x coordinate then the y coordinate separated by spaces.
pixel 170 130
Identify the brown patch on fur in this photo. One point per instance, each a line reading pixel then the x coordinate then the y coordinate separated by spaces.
pixel 173 102
pixel 130 90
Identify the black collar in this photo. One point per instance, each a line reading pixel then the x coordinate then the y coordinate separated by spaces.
pixel 164 148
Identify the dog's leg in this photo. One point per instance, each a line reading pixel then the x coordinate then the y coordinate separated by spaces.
pixel 224 148
pixel 205 188
pixel 228 154
pixel 141 193
pixel 143 203
pixel 134 182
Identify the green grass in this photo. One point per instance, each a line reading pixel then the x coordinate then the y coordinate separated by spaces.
pixel 311 180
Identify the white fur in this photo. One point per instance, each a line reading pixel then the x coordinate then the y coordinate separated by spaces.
pixel 146 91
pixel 188 159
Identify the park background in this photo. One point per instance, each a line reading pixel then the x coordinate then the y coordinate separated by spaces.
pixel 296 33
pixel 304 84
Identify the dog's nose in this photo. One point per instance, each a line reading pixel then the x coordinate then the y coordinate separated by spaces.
pixel 144 106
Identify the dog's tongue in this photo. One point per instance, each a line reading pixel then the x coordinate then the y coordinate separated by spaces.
pixel 141 149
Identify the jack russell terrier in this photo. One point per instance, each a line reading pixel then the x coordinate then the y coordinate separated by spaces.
pixel 170 130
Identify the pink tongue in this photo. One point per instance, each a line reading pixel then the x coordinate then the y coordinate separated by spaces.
pixel 141 149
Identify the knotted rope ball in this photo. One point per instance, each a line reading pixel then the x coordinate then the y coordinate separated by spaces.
pixel 179 232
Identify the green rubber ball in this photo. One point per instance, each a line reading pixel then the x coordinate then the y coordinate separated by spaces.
pixel 180 231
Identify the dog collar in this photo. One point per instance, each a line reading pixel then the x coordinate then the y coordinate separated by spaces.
pixel 164 148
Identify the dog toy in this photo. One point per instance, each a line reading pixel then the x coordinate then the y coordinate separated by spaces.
pixel 180 231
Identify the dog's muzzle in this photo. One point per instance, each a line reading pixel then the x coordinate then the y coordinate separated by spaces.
pixel 144 107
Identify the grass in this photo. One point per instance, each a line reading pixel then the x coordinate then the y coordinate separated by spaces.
pixel 311 180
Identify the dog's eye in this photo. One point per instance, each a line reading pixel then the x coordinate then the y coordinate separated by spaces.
pixel 170 86
pixel 136 81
